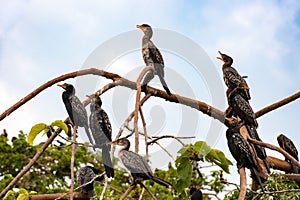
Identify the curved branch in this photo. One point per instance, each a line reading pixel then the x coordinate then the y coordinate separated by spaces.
pixel 169 136
pixel 277 104
pixel 273 147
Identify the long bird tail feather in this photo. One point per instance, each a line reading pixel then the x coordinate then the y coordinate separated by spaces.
pixel 106 160
pixel 161 182
pixel 164 84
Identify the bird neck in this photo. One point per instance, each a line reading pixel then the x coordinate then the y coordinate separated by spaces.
pixel 126 146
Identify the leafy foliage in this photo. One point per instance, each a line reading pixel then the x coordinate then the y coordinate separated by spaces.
pixel 38 128
pixel 194 153
pixel 275 182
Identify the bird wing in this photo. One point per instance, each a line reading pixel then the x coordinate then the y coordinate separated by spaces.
pixel 135 163
pixel 290 147
pixel 78 110
pixel 152 54
pixel 105 124
pixel 242 108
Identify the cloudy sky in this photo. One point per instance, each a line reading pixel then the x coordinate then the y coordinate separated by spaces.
pixel 44 39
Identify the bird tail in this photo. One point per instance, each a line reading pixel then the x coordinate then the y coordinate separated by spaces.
pixel 89 136
pixel 106 160
pixel 164 84
pixel 257 177
pixel 162 182
pixel 260 151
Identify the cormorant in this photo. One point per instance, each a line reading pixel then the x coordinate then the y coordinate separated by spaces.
pixel 152 57
pixel 243 110
pixel 85 175
pixel 101 130
pixel 195 193
pixel 136 164
pixel 75 108
pixel 232 78
pixel 286 144
pixel 242 151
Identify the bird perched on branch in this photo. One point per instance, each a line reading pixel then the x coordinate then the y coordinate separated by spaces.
pixel 286 144
pixel 242 151
pixel 152 57
pixel 243 110
pixel 232 78
pixel 75 108
pixel 87 174
pixel 102 131
pixel 195 193
pixel 136 164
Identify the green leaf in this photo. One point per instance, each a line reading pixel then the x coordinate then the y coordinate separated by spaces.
pixel 35 130
pixel 202 147
pixel 184 170
pixel 9 195
pixel 218 157
pixel 60 124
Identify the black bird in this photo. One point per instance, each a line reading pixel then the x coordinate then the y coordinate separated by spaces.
pixel 232 78
pixel 195 193
pixel 152 57
pixel 101 130
pixel 286 144
pixel 243 110
pixel 136 164
pixel 75 108
pixel 242 151
pixel 85 175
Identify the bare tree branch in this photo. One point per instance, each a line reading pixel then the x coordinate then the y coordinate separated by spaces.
pixel 127 191
pixel 273 147
pixel 243 184
pixel 277 104
pixel 72 161
pixel 169 136
pixel 77 196
pixel 149 192
pixel 137 104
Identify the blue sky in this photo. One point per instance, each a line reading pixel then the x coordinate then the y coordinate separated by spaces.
pixel 40 40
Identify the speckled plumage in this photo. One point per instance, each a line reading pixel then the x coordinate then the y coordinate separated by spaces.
pixel 136 164
pixel 75 108
pixel 102 132
pixel 242 151
pixel 286 144
pixel 152 57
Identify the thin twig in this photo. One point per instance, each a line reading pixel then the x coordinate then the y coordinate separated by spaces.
pixel 137 104
pixel 72 161
pixel 142 194
pixel 85 184
pixel 149 192
pixel 128 191
pixel 104 189
pixel 167 136
pixel 145 132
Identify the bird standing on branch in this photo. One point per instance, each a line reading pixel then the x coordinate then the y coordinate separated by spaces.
pixel 152 57
pixel 75 108
pixel 232 78
pixel 195 193
pixel 102 131
pixel 242 151
pixel 136 164
pixel 85 175
pixel 244 111
pixel 286 144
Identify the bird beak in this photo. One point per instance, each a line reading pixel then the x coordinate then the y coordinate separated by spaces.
pixel 140 27
pixel 114 142
pixel 220 58
pixel 62 86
